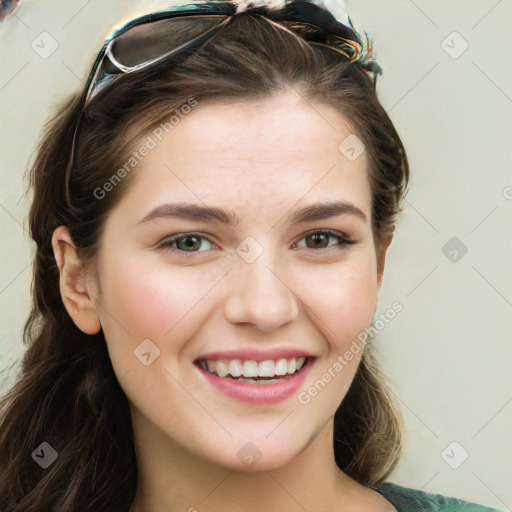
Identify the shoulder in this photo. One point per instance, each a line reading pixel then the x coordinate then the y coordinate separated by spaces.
pixel 406 499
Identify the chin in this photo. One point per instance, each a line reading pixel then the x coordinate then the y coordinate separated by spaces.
pixel 251 457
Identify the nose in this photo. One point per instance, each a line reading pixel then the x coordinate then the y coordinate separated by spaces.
pixel 260 296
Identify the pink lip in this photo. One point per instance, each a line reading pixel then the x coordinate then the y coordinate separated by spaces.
pixel 255 355
pixel 259 393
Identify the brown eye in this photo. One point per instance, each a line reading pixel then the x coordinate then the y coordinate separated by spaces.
pixel 321 239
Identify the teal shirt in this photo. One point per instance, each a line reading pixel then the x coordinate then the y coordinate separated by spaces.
pixel 405 499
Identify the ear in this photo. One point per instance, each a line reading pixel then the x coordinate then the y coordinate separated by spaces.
pixel 381 257
pixel 75 286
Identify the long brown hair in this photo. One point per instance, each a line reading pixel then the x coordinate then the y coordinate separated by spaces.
pixel 67 393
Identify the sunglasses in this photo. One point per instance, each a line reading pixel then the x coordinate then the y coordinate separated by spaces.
pixel 148 40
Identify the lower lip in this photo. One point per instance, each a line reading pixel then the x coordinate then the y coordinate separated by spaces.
pixel 259 393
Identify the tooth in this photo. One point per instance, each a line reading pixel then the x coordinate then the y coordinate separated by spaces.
pixel 266 368
pixel 235 368
pixel 222 368
pixel 281 367
pixel 250 369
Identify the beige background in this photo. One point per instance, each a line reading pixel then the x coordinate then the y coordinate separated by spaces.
pixel 448 353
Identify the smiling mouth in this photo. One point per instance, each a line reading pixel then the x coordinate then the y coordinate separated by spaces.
pixel 252 372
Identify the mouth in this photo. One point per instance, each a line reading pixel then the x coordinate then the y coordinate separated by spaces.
pixel 266 372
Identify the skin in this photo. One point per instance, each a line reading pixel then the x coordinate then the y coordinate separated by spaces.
pixel 261 160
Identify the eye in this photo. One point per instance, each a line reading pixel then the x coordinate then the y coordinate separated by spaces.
pixel 321 238
pixel 186 243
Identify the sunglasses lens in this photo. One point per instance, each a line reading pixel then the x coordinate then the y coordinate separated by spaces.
pixel 150 41
pixel 8 8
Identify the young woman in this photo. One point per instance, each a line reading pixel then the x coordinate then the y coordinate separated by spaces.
pixel 212 217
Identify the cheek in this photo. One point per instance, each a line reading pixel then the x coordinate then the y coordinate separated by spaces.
pixel 141 301
pixel 343 299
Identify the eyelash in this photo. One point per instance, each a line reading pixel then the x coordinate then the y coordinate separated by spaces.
pixel 166 244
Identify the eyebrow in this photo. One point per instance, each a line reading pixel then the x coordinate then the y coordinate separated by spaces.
pixel 198 212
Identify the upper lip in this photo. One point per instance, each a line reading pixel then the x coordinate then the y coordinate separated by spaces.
pixel 255 355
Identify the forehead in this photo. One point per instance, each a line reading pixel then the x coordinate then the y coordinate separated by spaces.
pixel 274 152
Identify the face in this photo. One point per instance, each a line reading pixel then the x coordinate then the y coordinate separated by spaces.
pixel 174 289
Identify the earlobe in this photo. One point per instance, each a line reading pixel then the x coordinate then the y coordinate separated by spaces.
pixel 75 291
